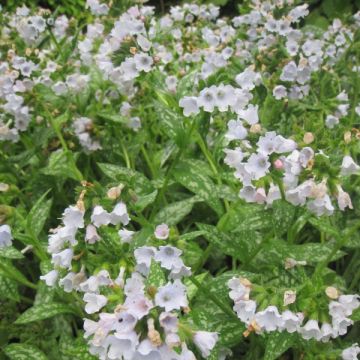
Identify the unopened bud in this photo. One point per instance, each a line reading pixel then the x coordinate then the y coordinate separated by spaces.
pixel 289 297
pixel 332 292
pixel 114 192
pixel 4 187
pixel 308 138
pixel 255 128
pixel 347 137
pixel 153 334
pixel 278 164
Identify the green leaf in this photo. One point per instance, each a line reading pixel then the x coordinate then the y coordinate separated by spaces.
pixel 277 343
pixel 200 184
pixel 282 216
pixel 191 288
pixel 128 176
pixel 323 225
pixel 10 252
pixel 8 289
pixel 9 270
pixel 170 121
pixel 24 352
pixel 145 200
pixel 173 213
pixel 229 244
pixel 356 315
pixel 74 349
pixel 117 118
pixel 277 250
pixel 62 164
pixel 156 275
pixel 245 217
pixel 38 215
pixel 191 235
pixel 43 311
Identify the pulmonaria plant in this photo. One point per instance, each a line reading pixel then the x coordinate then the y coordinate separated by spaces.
pixel 231 144
pixel 270 319
pixel 141 311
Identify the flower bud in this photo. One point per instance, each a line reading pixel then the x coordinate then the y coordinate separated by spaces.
pixel 114 192
pixel 332 292
pixel 347 137
pixel 308 138
pixel 255 128
pixel 278 164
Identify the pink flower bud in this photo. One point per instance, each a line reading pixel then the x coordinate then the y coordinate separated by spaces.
pixel 278 164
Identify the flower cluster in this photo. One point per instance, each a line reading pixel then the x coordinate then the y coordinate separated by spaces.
pixel 148 305
pixel 270 319
pixel 275 167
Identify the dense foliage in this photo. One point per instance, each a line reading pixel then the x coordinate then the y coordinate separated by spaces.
pixel 181 185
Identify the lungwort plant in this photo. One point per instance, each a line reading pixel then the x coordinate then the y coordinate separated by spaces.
pixel 180 186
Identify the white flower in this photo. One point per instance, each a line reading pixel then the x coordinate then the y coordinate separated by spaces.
pixel 250 114
pixel 147 351
pixel 351 353
pixel 274 193
pixel 67 282
pixel 122 345
pixel 311 330
pixel 326 332
pixel 340 325
pixel 248 79
pixel 143 42
pixel 205 341
pixel 321 206
pixel 134 285
pixel 233 158
pixel 93 283
pixel 245 310
pixel 50 278
pixel 269 319
pixel 143 257
pixel 169 321
pixel 100 216
pixel 343 199
pixel 224 97
pixel 169 257
pixel 266 144
pixel 91 235
pixel 171 296
pixel 236 130
pixel 348 166
pixel 289 72
pixel 126 235
pixel 238 290
pixel 143 62
pixel 350 302
pixel 94 302
pixel 63 258
pixel 162 232
pixel 331 121
pixel 207 98
pixel 119 214
pixel 171 82
pixel 138 305
pixel 257 165
pixel 291 321
pixel 190 105
pixel 125 322
pixel 5 236
pixel 248 193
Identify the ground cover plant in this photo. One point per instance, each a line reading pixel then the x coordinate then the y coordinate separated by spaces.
pixel 180 185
